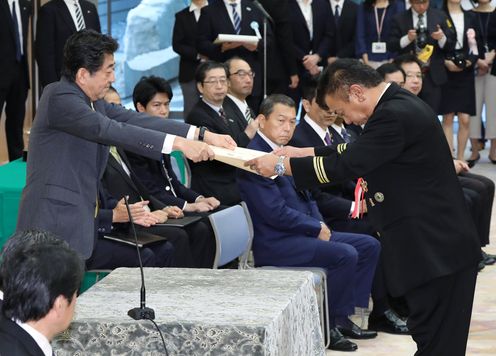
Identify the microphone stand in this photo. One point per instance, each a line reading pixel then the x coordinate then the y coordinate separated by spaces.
pixel 142 312
pixel 266 18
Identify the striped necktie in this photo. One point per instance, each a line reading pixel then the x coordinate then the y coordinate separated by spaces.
pixel 346 135
pixel 79 17
pixel 236 19
pixel 248 116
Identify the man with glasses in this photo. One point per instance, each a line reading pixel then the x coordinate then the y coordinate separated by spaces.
pixel 214 179
pixel 240 86
pixel 412 68
pixel 415 31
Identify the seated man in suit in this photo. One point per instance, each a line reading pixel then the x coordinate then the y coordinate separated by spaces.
pixel 193 244
pixel 290 231
pixel 39 300
pixel 240 86
pixel 152 95
pixel 214 178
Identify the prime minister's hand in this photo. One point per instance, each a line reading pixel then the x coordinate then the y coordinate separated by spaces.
pixel 264 165
pixel 219 140
pixel 194 150
pixel 290 151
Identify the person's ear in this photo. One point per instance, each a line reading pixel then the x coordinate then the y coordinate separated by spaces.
pixel 261 120
pixel 140 107
pixel 199 86
pixel 306 105
pixel 82 76
pixel 356 91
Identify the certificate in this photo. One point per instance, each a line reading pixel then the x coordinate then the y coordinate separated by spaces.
pixel 221 38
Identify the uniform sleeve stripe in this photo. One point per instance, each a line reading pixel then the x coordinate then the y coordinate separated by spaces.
pixel 316 168
pixel 318 165
pixel 322 170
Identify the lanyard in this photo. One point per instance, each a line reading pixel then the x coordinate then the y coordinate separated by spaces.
pixel 378 25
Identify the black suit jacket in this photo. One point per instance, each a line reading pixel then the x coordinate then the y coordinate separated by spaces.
pixel 213 178
pixel 8 56
pixel 15 341
pixel 322 31
pixel 184 44
pixel 215 20
pixel 330 200
pixel 54 27
pixel 403 22
pixel 414 196
pixel 160 180
pixel 236 122
pixel 343 44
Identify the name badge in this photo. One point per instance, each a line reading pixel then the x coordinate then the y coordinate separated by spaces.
pixel 378 47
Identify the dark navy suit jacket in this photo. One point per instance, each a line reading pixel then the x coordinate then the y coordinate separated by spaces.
pixel 286 222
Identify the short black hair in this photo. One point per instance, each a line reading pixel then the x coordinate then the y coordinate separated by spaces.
pixel 35 274
pixel 388 68
pixel 407 58
pixel 204 67
pixel 148 87
pixel 343 73
pixel 267 106
pixel 309 88
pixel 86 49
pixel 229 62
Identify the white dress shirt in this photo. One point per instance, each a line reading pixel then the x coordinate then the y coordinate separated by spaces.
pixel 306 10
pixel 38 337
pixel 19 21
pixel 319 130
pixel 72 10
pixel 196 10
pixel 230 9
pixel 333 6
pixel 242 105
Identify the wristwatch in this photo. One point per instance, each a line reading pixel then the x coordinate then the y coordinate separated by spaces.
pixel 279 168
pixel 201 133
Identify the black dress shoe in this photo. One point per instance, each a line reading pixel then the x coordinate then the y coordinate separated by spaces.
pixel 389 322
pixel 355 332
pixel 493 161
pixel 472 162
pixel 339 343
pixel 481 266
pixel 488 260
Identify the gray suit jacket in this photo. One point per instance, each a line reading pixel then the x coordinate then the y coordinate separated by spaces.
pixel 68 152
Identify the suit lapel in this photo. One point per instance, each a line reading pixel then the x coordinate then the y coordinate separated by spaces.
pixel 8 16
pixel 26 7
pixel 87 13
pixel 65 14
pixel 335 137
pixel 222 11
pixel 117 167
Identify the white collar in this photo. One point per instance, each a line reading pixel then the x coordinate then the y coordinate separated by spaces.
pixel 242 105
pixel 380 96
pixel 194 7
pixel 269 142
pixel 38 337
pixel 338 129
pixel 305 3
pixel 321 132
pixel 215 107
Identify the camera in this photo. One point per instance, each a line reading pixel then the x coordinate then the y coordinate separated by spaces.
pixel 459 58
pixel 422 37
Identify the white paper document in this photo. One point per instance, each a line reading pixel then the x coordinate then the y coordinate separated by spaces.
pixel 237 157
pixel 221 38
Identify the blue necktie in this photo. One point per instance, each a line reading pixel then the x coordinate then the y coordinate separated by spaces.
pixel 17 37
pixel 236 19
pixel 346 135
pixel 336 14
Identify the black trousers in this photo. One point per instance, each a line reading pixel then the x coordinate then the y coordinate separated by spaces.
pixel 13 94
pixel 479 192
pixel 440 313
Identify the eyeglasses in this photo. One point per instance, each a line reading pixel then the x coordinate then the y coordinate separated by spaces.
pixel 243 73
pixel 214 81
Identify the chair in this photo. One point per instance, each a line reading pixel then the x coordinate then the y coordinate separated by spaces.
pixel 319 277
pixel 232 235
pixel 92 277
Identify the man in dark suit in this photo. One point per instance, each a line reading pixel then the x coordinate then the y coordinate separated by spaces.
pixel 57 21
pixel 281 72
pixel 152 96
pixel 336 202
pixel 289 230
pixel 119 181
pixel 14 72
pixel 184 43
pixel 233 17
pixel 312 36
pixel 343 17
pixel 414 29
pixel 429 243
pixel 39 300
pixel 73 129
pixel 213 178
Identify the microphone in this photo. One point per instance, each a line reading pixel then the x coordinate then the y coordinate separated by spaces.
pixel 254 26
pixel 142 312
pixel 262 10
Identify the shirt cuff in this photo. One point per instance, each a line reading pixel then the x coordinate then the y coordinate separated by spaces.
pixel 442 42
pixel 191 133
pixel 168 143
pixel 352 207
pixel 404 41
